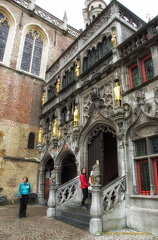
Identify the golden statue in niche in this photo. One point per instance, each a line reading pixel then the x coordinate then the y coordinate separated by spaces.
pixel 77 69
pixel 40 138
pixel 117 94
pixel 114 39
pixel 43 97
pixel 58 85
pixel 76 116
pixel 55 128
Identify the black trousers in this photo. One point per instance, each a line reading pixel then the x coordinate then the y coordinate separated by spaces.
pixel 85 195
pixel 23 205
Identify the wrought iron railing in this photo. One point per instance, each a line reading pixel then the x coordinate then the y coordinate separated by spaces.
pixel 113 195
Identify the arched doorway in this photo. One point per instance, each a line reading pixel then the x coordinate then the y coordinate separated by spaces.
pixel 48 168
pixel 102 146
pixel 69 169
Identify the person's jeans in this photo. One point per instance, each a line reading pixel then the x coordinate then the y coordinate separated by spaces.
pixel 23 205
pixel 85 195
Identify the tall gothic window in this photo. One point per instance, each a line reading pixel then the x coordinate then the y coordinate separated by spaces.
pixel 4 30
pixel 32 52
pixel 146 159
pixel 31 140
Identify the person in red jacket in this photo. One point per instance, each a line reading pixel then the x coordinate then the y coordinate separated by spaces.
pixel 84 184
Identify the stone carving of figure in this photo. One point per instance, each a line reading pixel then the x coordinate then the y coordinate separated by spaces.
pixel 40 135
pixel 77 69
pixel 114 39
pixel 76 116
pixel 95 173
pixel 58 85
pixel 117 94
pixel 43 98
pixel 53 176
pixel 54 125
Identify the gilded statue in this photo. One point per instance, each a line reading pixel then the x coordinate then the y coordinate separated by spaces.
pixel 55 128
pixel 117 94
pixel 114 39
pixel 76 116
pixel 77 69
pixel 58 85
pixel 40 135
pixel 43 98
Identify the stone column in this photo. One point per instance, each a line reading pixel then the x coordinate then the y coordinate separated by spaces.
pixel 58 175
pixel 95 224
pixel 41 199
pixel 51 201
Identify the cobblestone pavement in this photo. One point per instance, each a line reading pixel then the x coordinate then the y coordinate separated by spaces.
pixel 38 227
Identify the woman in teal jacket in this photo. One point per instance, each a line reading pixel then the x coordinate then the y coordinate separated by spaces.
pixel 23 193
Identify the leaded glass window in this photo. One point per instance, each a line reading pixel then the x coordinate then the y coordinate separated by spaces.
pixel 4 30
pixel 32 52
pixel 148 68
pixel 144 179
pixel 140 148
pixel 154 145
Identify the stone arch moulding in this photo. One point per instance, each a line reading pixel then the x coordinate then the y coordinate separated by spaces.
pixel 143 123
pixel 64 152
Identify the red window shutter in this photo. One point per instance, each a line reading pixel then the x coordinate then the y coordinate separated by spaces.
pixel 155 165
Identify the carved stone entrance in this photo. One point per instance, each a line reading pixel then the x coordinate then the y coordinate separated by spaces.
pixel 102 146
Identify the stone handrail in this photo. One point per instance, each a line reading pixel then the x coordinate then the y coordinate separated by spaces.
pixel 67 192
pixel 113 195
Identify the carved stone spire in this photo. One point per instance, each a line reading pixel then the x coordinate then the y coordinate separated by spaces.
pixel 65 22
pixel 32 5
pixel 92 10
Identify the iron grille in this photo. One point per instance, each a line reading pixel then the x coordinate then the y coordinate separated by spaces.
pixel 141 148
pixel 154 145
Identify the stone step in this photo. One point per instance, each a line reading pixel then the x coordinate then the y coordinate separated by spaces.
pixel 83 216
pixel 73 222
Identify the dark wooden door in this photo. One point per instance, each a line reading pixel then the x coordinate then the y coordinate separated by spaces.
pixel 103 147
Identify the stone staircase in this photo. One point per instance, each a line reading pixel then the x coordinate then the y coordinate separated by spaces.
pixel 74 215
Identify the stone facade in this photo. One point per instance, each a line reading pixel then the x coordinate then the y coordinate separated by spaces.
pixel 21 93
pixel 109 76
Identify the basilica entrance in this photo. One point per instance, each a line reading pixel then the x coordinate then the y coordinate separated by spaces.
pixel 69 169
pixel 102 146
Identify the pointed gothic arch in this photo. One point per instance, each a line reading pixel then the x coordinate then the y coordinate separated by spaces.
pixel 102 146
pixel 66 161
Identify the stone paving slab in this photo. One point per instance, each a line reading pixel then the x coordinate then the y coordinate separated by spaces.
pixel 38 227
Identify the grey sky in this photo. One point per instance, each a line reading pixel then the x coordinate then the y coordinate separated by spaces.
pixel 74 9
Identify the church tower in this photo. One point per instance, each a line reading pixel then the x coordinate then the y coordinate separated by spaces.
pixel 92 9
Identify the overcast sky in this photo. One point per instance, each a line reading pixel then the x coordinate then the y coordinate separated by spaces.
pixel 74 9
